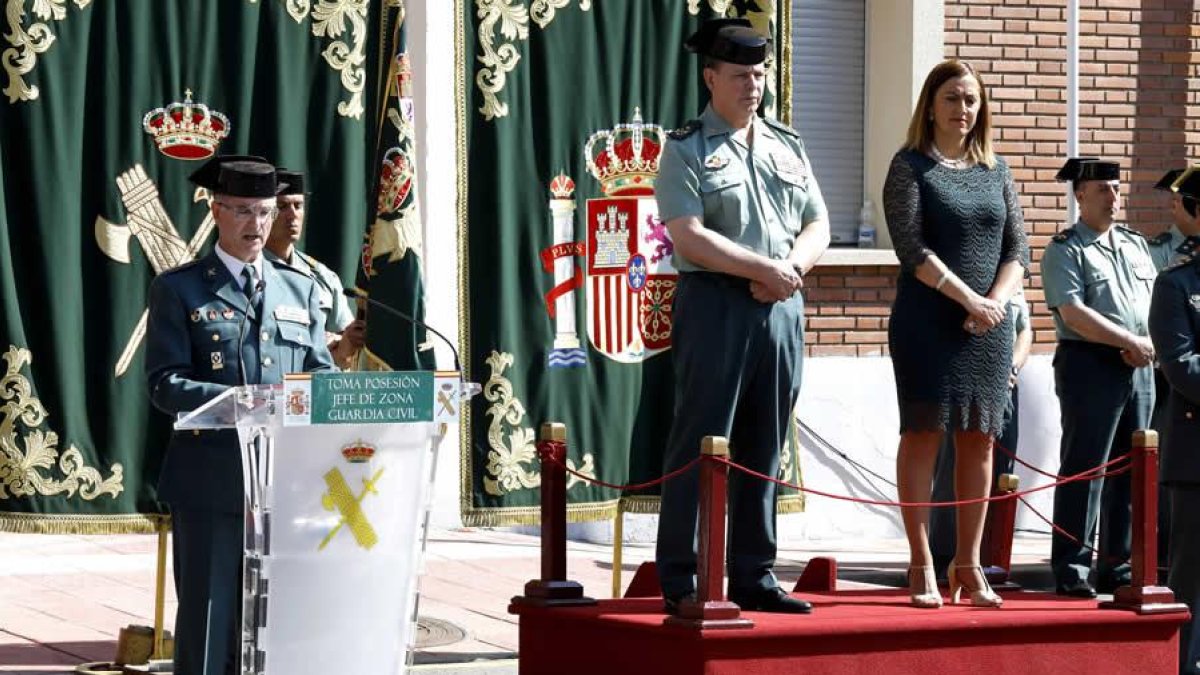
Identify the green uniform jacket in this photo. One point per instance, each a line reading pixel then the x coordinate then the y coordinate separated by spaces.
pixel 197 323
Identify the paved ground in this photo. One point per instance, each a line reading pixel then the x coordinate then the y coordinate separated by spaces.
pixel 63 599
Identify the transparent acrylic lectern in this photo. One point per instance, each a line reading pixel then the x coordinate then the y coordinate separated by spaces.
pixel 336 521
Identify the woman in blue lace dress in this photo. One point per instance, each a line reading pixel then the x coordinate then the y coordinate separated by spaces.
pixel 956 226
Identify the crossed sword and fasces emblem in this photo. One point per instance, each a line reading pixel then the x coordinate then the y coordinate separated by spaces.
pixel 340 498
pixel 155 232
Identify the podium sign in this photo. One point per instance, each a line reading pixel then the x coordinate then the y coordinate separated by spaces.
pixel 336 511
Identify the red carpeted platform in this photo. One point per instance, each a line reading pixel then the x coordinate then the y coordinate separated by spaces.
pixel 872 632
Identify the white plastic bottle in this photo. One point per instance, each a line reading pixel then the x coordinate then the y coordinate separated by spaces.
pixel 866 226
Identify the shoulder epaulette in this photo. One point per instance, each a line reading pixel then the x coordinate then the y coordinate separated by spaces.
pixel 1180 261
pixel 690 127
pixel 780 126
pixel 312 262
pixel 283 266
pixel 1129 230
pixel 1161 238
pixel 1064 234
pixel 182 267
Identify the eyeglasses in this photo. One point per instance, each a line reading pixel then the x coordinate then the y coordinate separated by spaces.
pixel 245 213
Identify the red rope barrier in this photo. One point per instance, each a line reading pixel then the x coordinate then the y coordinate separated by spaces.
pixel 547 457
pixel 1012 455
pixel 1085 475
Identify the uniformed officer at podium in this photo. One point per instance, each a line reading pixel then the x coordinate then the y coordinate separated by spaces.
pixel 226 319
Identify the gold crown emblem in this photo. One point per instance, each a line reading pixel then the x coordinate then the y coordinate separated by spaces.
pixel 186 130
pixel 562 187
pixel 628 163
pixel 358 452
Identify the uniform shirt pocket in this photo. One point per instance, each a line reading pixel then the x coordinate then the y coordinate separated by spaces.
pixel 723 195
pixel 294 344
pixel 215 348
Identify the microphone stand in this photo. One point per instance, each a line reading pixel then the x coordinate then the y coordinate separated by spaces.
pixel 357 294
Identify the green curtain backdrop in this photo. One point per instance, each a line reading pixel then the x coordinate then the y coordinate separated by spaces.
pixel 91 209
pixel 538 79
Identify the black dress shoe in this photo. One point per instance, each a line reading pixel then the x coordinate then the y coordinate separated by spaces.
pixel 770 600
pixel 1076 589
pixel 671 603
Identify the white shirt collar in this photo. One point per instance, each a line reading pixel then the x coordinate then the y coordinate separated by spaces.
pixel 235 266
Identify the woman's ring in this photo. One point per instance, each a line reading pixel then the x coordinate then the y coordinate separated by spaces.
pixel 972 326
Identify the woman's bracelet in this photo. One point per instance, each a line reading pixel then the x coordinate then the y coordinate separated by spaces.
pixel 942 282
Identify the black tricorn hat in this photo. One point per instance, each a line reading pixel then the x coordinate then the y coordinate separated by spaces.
pixel 294 180
pixel 1188 183
pixel 1168 179
pixel 1079 169
pixel 209 172
pixel 729 40
pixel 248 179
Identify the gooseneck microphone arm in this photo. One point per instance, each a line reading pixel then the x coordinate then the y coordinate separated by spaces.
pixel 357 294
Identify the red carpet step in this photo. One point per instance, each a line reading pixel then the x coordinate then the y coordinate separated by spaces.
pixel 872 632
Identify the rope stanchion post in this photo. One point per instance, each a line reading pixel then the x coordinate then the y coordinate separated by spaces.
pixel 710 609
pixel 1143 595
pixel 996 551
pixel 553 589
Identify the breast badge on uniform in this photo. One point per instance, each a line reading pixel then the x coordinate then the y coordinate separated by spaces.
pixel 292 314
pixel 196 315
pixel 791 168
pixel 218 360
pixel 212 315
pixel 716 162
pixel 227 314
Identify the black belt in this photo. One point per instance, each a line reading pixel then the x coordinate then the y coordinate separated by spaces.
pixel 720 279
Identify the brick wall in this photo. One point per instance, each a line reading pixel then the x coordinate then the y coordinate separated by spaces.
pixel 1139 93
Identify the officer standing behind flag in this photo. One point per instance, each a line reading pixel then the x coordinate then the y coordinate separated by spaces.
pixel 1097 277
pixel 227 319
pixel 1174 326
pixel 345 334
pixel 747 219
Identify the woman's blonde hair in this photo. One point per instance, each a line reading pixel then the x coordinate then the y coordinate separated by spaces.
pixel 920 128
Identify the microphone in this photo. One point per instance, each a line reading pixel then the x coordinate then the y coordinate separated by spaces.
pixel 258 289
pixel 355 293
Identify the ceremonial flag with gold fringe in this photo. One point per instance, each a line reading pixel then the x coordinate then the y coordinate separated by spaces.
pixel 106 109
pixel 567 282
pixel 391 262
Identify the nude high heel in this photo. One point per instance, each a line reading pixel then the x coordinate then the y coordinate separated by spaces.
pixel 929 597
pixel 980 597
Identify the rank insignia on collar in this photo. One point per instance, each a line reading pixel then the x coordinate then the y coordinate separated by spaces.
pixel 715 162
pixel 218 360
pixel 210 272
pixel 227 314
pixel 196 315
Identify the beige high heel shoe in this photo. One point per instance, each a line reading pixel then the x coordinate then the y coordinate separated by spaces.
pixel 929 597
pixel 980 597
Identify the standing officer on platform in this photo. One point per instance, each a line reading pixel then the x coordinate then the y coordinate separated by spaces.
pixel 227 319
pixel 1097 277
pixel 747 218
pixel 345 335
pixel 1174 327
